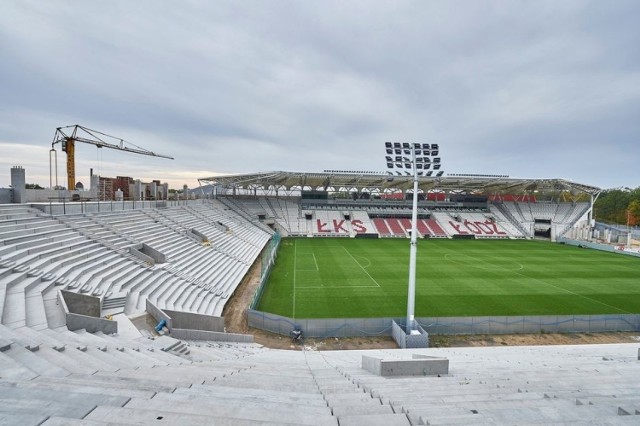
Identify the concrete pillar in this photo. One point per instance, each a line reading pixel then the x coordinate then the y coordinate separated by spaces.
pixel 137 190
pixel 18 184
pixel 165 191
pixel 185 192
pixel 154 190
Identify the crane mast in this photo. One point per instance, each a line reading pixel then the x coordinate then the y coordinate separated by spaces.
pixel 69 135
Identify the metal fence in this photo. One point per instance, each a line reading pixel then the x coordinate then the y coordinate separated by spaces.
pixel 63 207
pixel 352 327
pixel 268 260
pixel 597 246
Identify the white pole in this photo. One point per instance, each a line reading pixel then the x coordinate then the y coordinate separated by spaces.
pixel 411 298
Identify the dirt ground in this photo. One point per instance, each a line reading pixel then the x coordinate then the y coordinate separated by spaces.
pixel 236 322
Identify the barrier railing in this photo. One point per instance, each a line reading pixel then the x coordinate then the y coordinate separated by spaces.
pixel 268 260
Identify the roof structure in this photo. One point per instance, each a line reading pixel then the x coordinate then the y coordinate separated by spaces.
pixel 378 182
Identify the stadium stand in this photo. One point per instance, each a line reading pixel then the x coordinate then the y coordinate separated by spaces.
pixel 60 377
pixel 50 375
pixel 381 227
pixel 524 215
pixel 477 224
pixel 90 254
pixel 503 218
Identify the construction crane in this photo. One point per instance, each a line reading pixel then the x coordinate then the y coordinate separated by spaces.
pixel 69 135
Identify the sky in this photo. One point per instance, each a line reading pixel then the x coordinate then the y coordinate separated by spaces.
pixel 529 89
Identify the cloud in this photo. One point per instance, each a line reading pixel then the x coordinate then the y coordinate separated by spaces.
pixel 255 86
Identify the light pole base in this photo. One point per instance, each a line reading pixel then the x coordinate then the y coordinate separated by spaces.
pixel 416 338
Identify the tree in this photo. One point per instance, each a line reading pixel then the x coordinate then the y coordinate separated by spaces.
pixel 612 204
pixel 33 186
pixel 634 212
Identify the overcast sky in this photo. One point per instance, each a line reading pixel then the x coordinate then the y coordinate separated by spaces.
pixel 532 89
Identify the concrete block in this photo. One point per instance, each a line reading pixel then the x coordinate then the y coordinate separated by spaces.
pixel 418 366
pixel 375 420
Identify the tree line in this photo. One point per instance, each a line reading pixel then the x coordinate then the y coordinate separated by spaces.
pixel 621 205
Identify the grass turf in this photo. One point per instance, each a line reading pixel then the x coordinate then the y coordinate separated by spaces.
pixel 359 278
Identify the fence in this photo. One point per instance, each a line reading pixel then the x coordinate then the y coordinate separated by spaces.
pixel 597 246
pixel 56 208
pixel 352 327
pixel 268 260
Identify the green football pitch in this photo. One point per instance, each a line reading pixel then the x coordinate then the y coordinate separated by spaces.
pixel 360 278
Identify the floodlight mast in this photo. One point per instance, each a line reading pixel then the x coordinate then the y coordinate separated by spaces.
pixel 417 165
pixel 413 251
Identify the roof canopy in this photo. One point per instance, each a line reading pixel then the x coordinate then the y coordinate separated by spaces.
pixel 379 182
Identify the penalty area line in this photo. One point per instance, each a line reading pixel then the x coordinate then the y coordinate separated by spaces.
pixel 363 270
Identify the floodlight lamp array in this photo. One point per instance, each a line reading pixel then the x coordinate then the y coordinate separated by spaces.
pixel 426 157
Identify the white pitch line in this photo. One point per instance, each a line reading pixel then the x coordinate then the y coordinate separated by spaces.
pixel 340 286
pixel 363 270
pixel 294 279
pixel 314 259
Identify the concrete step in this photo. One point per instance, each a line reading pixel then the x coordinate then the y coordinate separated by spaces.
pixel 22 419
pixel 144 417
pixel 375 420
pixel 35 363
pixel 346 410
pixel 319 408
pixel 55 396
pixel 251 395
pixel 11 369
pixel 66 421
pixel 112 382
pixel 45 407
pixel 260 412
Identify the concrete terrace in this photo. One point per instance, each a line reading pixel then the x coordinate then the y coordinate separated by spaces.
pixel 56 377
pixel 50 375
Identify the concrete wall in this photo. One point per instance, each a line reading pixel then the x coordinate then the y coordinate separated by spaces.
pixel 158 314
pixel 179 333
pixel 6 195
pixel 188 326
pixel 91 324
pixel 157 256
pixel 405 341
pixel 140 255
pixel 348 327
pixel 148 254
pixel 197 235
pixel 44 195
pixel 77 321
pixel 81 303
pixel 187 320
